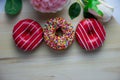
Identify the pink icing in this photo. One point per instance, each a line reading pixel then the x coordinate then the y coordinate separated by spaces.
pixel 48 5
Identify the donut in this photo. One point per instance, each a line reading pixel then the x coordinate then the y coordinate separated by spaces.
pixel 27 34
pixel 90 34
pixel 58 42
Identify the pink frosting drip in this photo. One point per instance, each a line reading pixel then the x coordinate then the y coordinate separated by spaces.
pixel 48 5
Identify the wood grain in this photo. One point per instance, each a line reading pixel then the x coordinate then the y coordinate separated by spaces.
pixel 47 64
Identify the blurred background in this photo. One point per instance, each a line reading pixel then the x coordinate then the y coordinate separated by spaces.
pixel 114 3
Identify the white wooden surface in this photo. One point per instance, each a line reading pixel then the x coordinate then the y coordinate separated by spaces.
pixel 47 64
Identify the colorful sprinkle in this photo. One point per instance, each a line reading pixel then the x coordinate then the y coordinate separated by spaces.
pixel 55 41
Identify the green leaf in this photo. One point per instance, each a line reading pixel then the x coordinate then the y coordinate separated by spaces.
pixel 13 7
pixel 74 10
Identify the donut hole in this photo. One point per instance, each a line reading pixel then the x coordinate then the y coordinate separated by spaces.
pixel 91 32
pixel 59 32
pixel 28 32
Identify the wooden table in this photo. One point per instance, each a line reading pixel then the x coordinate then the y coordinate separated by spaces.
pixel 47 64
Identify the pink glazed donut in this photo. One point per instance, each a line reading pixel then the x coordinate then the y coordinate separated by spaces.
pixel 27 34
pixel 90 34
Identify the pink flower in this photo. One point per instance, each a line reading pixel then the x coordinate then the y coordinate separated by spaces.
pixel 47 6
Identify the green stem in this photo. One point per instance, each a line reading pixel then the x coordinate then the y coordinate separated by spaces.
pixel 12 2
